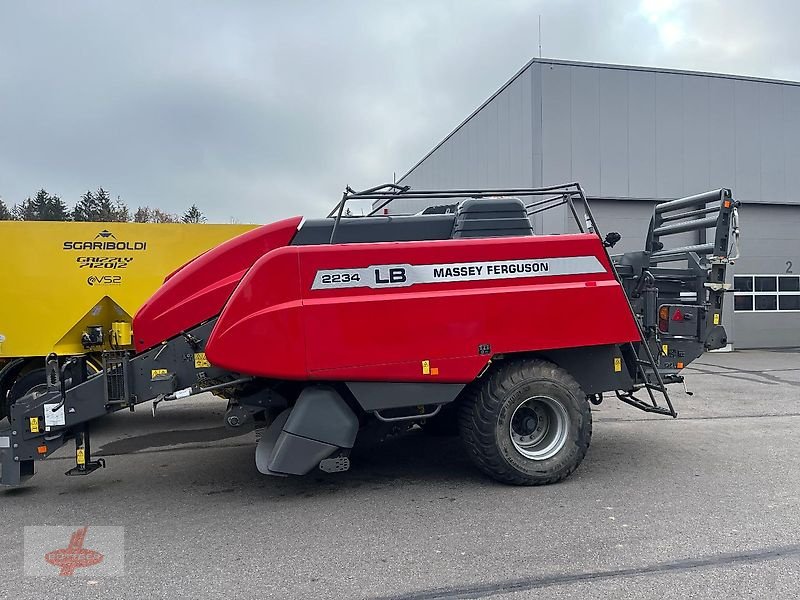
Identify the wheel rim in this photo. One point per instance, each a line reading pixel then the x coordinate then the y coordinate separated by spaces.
pixel 38 389
pixel 539 427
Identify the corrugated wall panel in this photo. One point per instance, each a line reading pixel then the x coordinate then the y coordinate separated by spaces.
pixel 772 131
pixel 669 136
pixel 631 219
pixel 475 170
pixel 522 125
pixel 613 133
pixel 696 153
pixel 791 141
pixel 504 139
pixel 556 124
pixel 641 134
pixel 459 148
pixel 586 128
pixel 721 133
pixel 489 153
pixel 748 146
pixel 556 92
pixel 536 122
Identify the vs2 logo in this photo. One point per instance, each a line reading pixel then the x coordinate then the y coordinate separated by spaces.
pixel 104 280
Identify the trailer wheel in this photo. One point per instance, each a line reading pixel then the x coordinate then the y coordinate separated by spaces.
pixel 27 383
pixel 528 423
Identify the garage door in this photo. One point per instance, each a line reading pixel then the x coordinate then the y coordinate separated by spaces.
pixel 767 278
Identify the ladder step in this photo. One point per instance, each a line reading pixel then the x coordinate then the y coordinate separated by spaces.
pixel 655 386
pixel 642 367
pixel 635 402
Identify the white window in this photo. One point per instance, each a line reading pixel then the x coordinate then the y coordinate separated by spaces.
pixel 766 293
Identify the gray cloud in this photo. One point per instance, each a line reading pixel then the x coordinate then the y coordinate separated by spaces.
pixel 259 110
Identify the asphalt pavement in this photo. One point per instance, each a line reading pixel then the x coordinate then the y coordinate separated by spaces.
pixel 707 505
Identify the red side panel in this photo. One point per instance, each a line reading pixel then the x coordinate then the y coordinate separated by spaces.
pixel 263 332
pixel 433 324
pixel 198 290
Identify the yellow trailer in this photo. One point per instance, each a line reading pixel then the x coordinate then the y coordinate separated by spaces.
pixel 73 288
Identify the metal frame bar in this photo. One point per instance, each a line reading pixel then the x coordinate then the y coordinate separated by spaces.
pixel 407 417
pixel 389 192
pixel 666 221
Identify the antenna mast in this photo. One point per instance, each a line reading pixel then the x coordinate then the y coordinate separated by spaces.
pixel 540 36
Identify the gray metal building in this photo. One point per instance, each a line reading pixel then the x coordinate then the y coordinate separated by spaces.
pixel 632 136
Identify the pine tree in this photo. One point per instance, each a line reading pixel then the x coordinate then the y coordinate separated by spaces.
pixel 108 210
pixel 143 214
pixel 5 214
pixel 57 210
pixel 160 216
pixel 24 211
pixel 105 207
pixel 86 209
pixel 39 205
pixel 121 212
pixel 49 207
pixel 21 210
pixel 193 215
pixel 42 207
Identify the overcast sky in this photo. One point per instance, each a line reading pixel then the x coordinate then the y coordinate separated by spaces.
pixel 264 109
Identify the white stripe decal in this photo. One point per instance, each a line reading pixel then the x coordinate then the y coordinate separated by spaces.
pixel 403 275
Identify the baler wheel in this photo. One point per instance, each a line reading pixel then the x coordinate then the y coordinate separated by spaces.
pixel 528 423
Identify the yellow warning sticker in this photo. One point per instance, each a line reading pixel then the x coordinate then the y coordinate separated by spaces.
pixel 716 318
pixel 80 456
pixel 426 367
pixel 617 364
pixel 200 361
pixel 156 372
pixel 34 424
pixel 665 350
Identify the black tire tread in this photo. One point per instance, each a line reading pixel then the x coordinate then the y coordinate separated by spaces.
pixel 26 382
pixel 481 404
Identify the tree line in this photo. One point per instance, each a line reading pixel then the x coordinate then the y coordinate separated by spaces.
pixel 94 206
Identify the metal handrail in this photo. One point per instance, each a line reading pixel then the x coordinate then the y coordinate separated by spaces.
pixel 388 192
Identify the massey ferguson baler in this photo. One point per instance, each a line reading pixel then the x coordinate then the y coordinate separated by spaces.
pixel 315 330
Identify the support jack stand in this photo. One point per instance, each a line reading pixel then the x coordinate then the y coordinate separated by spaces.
pixel 87 469
pixel 83 456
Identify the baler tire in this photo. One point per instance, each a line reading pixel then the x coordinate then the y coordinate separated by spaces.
pixel 491 434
